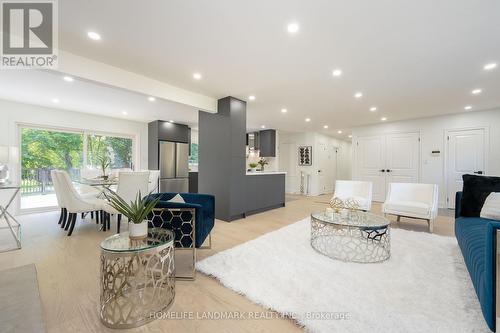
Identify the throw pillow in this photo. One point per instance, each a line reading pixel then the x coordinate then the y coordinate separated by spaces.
pixel 491 207
pixel 177 198
pixel 476 190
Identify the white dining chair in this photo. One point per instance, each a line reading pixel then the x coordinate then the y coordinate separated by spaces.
pixel 154 177
pixel 129 185
pixel 57 190
pixel 418 201
pixel 74 202
pixel 360 191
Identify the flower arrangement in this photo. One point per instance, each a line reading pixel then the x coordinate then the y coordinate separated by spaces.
pixel 262 162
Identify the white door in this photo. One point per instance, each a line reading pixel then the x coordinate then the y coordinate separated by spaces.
pixel 370 160
pixel 465 155
pixel 327 167
pixel 402 158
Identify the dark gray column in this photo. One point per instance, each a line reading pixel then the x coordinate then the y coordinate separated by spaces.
pixel 221 157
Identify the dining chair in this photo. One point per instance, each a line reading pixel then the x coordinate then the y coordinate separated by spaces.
pixel 154 178
pixel 74 202
pixel 129 185
pixel 359 191
pixel 57 189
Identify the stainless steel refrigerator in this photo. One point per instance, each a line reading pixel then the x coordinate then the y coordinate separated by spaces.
pixel 174 167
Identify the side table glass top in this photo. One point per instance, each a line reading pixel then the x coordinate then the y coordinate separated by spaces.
pixel 122 243
pixel 353 219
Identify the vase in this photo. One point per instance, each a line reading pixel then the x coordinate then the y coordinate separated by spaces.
pixel 253 169
pixel 138 230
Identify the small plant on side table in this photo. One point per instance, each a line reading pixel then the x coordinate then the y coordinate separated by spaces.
pixel 253 166
pixel 136 212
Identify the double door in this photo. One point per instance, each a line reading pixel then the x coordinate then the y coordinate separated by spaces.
pixel 384 159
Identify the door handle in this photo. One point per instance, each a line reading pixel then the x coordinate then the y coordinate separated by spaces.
pixel 478 172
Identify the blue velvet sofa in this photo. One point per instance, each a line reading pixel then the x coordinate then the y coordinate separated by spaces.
pixel 476 237
pixel 204 205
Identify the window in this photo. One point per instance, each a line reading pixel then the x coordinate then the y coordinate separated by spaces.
pixel 193 157
pixel 118 150
pixel 43 150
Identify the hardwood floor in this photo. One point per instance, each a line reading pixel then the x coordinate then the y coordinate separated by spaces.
pixel 68 271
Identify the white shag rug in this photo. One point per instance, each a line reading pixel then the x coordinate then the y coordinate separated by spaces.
pixel 423 287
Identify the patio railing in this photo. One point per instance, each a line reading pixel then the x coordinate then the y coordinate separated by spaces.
pixel 39 181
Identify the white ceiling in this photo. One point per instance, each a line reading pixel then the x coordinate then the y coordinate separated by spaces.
pixel 41 87
pixel 409 58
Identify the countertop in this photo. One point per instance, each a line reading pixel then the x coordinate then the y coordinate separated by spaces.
pixel 258 173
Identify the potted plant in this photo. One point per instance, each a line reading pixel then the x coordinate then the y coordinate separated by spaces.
pixel 136 212
pixel 104 162
pixel 262 162
pixel 253 167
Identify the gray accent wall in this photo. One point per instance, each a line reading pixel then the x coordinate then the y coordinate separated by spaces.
pixel 221 157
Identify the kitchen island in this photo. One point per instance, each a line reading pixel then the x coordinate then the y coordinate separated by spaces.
pixel 264 191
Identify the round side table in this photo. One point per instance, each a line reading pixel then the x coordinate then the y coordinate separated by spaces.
pixel 137 278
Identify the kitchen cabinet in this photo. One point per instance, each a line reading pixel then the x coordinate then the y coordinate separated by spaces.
pixel 267 143
pixel 253 141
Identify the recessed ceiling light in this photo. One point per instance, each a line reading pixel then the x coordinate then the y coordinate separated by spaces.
pixel 468 107
pixel 284 110
pixel 383 118
pixel 171 121
pixel 373 109
pixel 308 119
pixel 55 100
pixel 68 79
pixel 124 113
pixel 197 76
pixel 358 95
pixel 489 67
pixel 293 28
pixel 251 97
pixel 151 99
pixel 337 72
pixel 349 136
pixel 263 126
pixel 325 127
pixel 476 91
pixel 340 132
pixel 93 35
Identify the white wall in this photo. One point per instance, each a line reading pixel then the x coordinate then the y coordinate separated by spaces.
pixel 288 148
pixel 12 114
pixel 432 135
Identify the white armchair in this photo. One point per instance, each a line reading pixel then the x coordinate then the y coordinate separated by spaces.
pixel 357 190
pixel 418 201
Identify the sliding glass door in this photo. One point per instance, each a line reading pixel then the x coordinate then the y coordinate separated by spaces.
pixel 43 150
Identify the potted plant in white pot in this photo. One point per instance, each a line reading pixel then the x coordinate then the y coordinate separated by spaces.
pixel 253 167
pixel 136 212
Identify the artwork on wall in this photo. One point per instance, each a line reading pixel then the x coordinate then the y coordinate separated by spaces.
pixel 305 155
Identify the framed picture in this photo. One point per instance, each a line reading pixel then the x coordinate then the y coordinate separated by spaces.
pixel 305 155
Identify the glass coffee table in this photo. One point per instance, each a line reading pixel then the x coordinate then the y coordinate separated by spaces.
pixel 137 278
pixel 355 237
